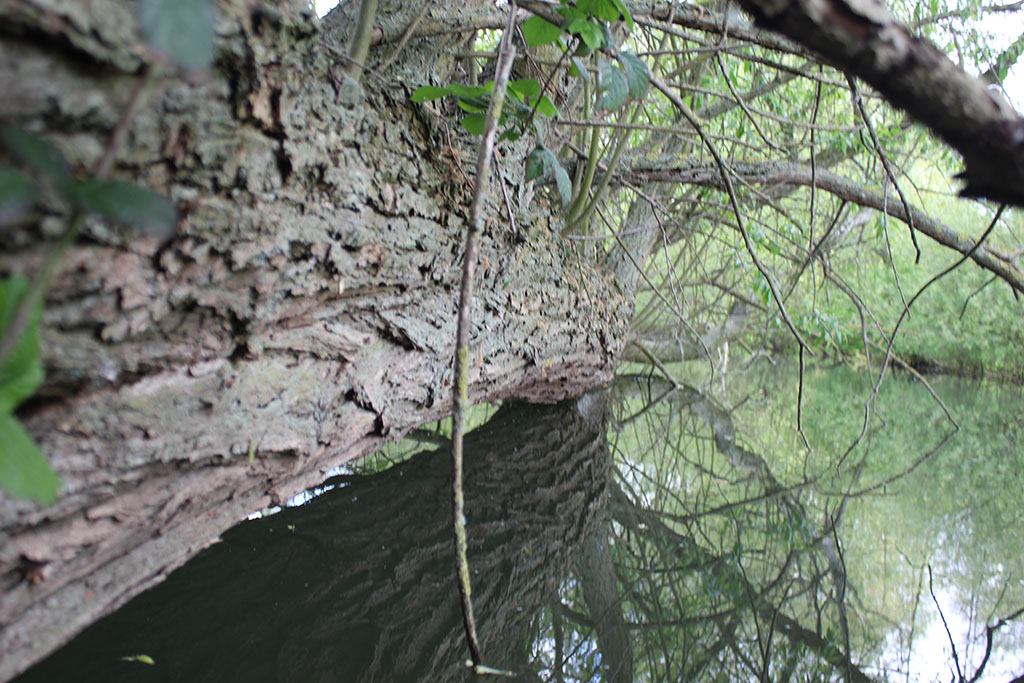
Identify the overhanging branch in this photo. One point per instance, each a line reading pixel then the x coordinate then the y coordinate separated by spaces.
pixel 774 173
pixel 863 38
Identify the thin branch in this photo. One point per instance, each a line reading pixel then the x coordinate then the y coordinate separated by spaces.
pixel 989 258
pixel 885 163
pixel 406 35
pixel 361 42
pixel 952 645
pixel 461 384
pixel 743 105
pixel 727 179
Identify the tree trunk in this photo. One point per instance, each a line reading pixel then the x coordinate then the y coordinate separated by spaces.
pixel 302 315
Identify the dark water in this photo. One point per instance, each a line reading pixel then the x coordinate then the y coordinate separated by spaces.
pixel 648 533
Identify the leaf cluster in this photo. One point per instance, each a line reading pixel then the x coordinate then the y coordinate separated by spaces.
pixel 24 471
pixel 585 34
pixel 44 166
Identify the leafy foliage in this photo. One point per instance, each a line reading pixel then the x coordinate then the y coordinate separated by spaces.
pixel 612 86
pixel 538 31
pixel 523 98
pixel 543 160
pixel 39 155
pixel 119 202
pixel 17 193
pixel 124 203
pixel 24 472
pixel 585 34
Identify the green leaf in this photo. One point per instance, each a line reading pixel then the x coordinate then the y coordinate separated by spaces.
pixel 564 184
pixel 466 91
pixel 428 93
pixel 578 68
pixel 606 33
pixel 142 659
pixel 537 31
pixel 17 193
pixel 525 87
pixel 637 75
pixel 180 30
pixel 126 204
pixel 36 153
pixel 624 12
pixel 611 83
pixel 570 12
pixel 540 160
pixel 474 123
pixel 24 472
pixel 473 104
pixel 588 31
pixel 21 373
pixel 605 9
pixel 535 163
pixel 546 107
pixel 510 134
pixel 516 108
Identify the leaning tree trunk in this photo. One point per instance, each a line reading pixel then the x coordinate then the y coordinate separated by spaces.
pixel 302 315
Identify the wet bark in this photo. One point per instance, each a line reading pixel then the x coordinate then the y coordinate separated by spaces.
pixel 302 315
pixel 357 585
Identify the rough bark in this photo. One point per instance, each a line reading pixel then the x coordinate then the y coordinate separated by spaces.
pixel 357 585
pixel 302 315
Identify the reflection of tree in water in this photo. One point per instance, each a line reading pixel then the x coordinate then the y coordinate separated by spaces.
pixel 359 584
pixel 702 561
pixel 723 575
pixel 730 563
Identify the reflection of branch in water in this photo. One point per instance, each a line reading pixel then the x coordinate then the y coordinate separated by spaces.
pixel 679 553
pixel 719 420
pixel 989 633
pixel 639 519
pixel 952 645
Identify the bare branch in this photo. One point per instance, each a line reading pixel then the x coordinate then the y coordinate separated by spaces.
pixel 862 37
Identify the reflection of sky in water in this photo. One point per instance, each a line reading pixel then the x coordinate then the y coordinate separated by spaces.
pixel 931 656
pixel 305 496
pixel 674 555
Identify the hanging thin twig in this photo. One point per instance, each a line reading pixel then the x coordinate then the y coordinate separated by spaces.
pixel 952 645
pixel 691 118
pixel 892 178
pixel 460 401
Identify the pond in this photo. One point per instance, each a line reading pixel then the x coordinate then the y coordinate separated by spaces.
pixel 647 532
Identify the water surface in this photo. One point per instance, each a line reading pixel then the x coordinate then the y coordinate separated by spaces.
pixel 649 532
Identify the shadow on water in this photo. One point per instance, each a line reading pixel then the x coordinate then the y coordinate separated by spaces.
pixel 647 533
